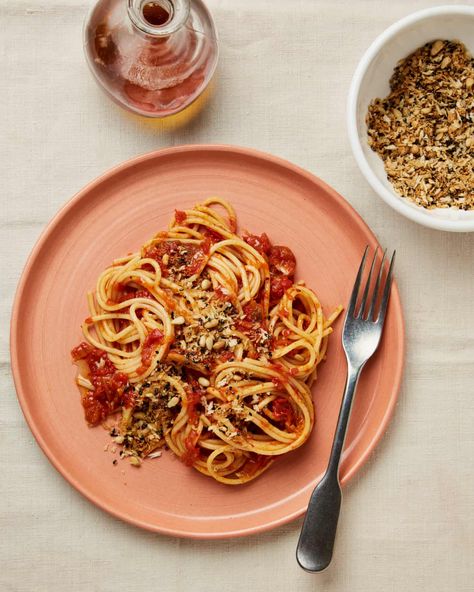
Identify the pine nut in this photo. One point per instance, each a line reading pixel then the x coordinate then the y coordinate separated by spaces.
pixel 437 47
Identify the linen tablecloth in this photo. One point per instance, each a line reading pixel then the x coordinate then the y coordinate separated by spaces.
pixel 284 72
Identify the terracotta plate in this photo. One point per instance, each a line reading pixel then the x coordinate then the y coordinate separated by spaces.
pixel 114 215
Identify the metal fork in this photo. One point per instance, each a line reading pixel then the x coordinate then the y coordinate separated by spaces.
pixel 360 339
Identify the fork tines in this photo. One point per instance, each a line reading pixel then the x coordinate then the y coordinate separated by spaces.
pixel 377 295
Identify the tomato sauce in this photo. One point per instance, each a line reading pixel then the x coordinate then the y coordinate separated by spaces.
pixel 225 356
pixel 219 294
pixel 149 348
pixel 111 389
pixel 252 314
pixel 283 412
pixel 281 262
pixel 253 322
pixel 191 454
pixel 108 384
pixel 255 464
pixel 129 293
pixel 212 235
pixel 193 400
pixel 279 381
pixel 191 257
pixel 283 339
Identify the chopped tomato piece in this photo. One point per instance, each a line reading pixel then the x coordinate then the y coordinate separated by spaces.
pixel 260 243
pixel 192 258
pixel 179 216
pixel 278 286
pixel 197 257
pixel 94 410
pixel 108 385
pixel 252 311
pixel 282 261
pixel 149 347
pixel 225 356
pixel 129 397
pixel 81 351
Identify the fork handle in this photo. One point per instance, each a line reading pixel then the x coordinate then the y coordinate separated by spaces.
pixel 353 374
pixel 316 542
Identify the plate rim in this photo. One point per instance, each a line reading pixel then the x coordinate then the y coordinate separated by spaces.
pixel 20 290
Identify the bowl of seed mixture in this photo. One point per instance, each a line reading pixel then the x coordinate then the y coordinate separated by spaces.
pixel 411 117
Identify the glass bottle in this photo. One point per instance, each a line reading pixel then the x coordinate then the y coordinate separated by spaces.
pixel 151 57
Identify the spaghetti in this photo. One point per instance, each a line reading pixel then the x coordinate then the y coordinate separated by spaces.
pixel 206 345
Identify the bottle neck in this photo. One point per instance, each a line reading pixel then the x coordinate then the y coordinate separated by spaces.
pixel 158 18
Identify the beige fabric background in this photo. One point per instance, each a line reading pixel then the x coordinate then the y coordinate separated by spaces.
pixel 285 68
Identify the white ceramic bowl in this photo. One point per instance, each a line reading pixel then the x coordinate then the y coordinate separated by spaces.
pixel 371 80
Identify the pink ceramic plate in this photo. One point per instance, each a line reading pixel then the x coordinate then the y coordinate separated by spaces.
pixel 114 215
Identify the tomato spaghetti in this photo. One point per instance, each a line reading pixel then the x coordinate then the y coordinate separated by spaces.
pixel 204 343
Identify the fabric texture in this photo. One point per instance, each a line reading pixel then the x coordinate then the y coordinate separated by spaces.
pixel 285 68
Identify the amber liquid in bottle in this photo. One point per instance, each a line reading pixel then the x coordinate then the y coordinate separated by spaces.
pixel 145 60
pixel 155 14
